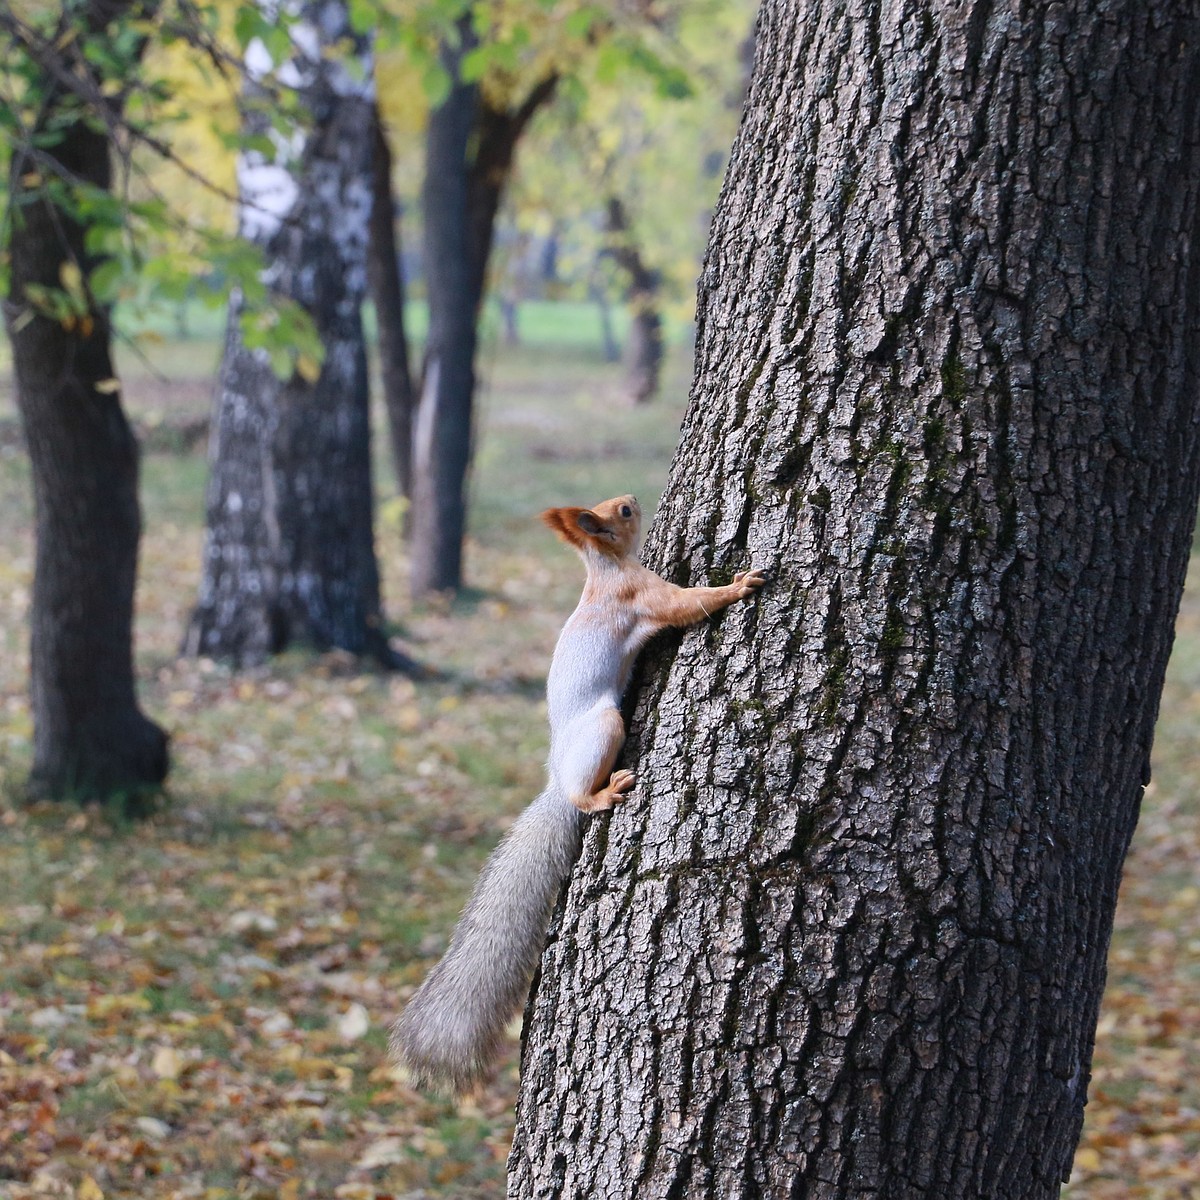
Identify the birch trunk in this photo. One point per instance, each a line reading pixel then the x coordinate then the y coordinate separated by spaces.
pixel 290 550
pixel 848 938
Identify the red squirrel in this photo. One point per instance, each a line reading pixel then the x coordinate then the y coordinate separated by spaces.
pixel 454 1024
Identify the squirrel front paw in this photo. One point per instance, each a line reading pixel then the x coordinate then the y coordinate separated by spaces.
pixel 748 582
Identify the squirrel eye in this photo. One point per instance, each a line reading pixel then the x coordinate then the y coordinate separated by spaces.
pixel 626 511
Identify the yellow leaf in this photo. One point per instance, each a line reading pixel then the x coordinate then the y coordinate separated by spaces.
pixel 106 387
pixel 391 512
pixel 71 278
pixel 385 1152
pixel 89 1189
pixel 353 1023
pixel 107 1006
pixel 308 368
pixel 167 1063
pixel 1088 1159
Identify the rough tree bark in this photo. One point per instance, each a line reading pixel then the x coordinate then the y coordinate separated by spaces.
pixel 90 736
pixel 848 938
pixel 290 552
pixel 470 150
pixel 644 344
pixel 387 294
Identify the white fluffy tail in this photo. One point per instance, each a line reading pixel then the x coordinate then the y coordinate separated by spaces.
pixel 453 1026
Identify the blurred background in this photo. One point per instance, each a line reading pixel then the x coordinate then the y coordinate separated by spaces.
pixel 196 981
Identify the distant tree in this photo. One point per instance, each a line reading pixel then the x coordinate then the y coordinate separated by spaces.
pixel 644 345
pixel 631 163
pixel 90 736
pixel 290 552
pixel 499 66
pixel 848 936
pixel 387 291
pixel 471 147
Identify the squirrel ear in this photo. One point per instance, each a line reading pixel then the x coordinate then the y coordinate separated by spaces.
pixel 590 523
pixel 564 522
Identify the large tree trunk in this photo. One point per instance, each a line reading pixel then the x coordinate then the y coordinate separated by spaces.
pixel 90 737
pixel 848 937
pixel 387 294
pixel 290 551
pixel 470 149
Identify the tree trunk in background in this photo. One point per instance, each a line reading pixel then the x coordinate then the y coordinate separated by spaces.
pixel 609 346
pixel 90 737
pixel 442 435
pixel 848 937
pixel 509 310
pixel 644 344
pixel 470 149
pixel 387 293
pixel 290 550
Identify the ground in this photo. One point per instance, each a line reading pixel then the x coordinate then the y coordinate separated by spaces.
pixel 196 1005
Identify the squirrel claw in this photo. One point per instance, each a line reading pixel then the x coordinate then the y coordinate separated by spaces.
pixel 749 581
pixel 620 783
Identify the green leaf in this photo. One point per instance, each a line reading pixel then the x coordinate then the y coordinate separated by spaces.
pixel 105 281
pixel 247 25
pixel 474 65
pixel 364 15
pixel 435 79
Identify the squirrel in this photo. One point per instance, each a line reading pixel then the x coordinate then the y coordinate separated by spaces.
pixel 452 1028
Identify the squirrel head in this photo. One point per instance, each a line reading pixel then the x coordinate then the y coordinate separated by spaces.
pixel 610 527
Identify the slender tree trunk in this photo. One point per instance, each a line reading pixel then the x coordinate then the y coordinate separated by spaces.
pixel 510 302
pixel 387 293
pixel 848 937
pixel 470 150
pixel 90 736
pixel 644 345
pixel 609 345
pixel 290 550
pixel 442 444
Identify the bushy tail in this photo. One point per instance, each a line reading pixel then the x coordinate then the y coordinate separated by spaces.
pixel 452 1027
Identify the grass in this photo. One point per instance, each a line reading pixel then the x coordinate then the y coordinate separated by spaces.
pixel 195 1006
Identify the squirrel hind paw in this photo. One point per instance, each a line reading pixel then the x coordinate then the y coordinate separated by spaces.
pixel 621 782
